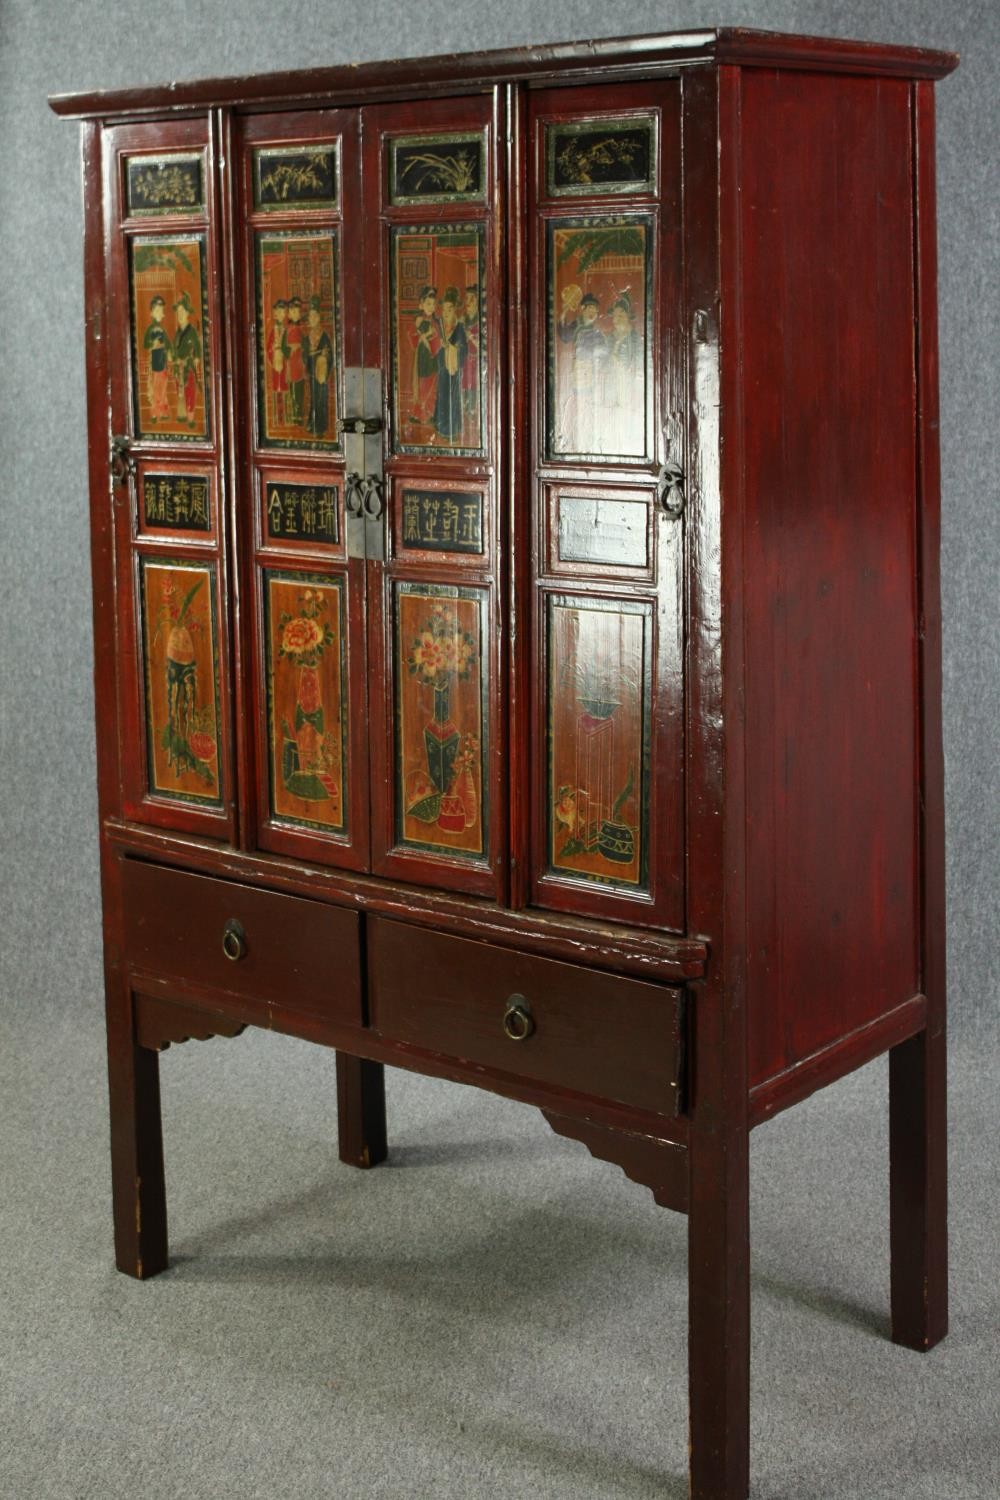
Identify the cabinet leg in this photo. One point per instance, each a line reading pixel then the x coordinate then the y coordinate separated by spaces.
pixel 361 1111
pixel 919 1190
pixel 137 1183
pixel 719 1329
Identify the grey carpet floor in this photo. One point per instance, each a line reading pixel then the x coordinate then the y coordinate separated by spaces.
pixel 492 1314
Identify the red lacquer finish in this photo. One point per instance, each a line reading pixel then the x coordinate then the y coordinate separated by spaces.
pixel 718 1216
pixel 516 609
pixel 918 1074
pixel 611 57
pixel 830 608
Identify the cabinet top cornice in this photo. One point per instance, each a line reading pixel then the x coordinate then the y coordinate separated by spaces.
pixel 616 57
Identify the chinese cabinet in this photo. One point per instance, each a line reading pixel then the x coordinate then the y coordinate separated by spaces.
pixel 514 496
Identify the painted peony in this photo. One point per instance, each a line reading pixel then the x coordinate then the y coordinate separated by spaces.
pixel 301 635
pixel 442 651
pixel 429 655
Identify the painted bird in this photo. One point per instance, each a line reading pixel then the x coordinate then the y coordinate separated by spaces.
pixel 565 808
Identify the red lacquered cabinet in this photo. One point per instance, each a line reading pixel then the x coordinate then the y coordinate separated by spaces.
pixel 514 491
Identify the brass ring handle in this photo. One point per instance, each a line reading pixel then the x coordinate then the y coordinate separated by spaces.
pixel 354 494
pixel 670 490
pixel 234 940
pixel 518 1022
pixel 371 501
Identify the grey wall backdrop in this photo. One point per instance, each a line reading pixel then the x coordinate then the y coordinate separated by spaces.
pixel 49 917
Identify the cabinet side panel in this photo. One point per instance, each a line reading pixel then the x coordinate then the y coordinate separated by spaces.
pixel 830 604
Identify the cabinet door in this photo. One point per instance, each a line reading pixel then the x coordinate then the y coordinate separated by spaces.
pixel 607 393
pixel 300 242
pixel 168 482
pixel 431 303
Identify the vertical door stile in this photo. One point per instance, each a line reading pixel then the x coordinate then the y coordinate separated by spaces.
pixel 373 355
pixel 518 530
pixel 233 518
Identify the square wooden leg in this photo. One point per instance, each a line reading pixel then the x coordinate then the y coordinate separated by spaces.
pixel 919 1190
pixel 137 1182
pixel 719 1322
pixel 361 1111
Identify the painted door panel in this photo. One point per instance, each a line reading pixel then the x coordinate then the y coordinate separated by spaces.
pixel 164 280
pixel 301 254
pixel 433 291
pixel 604 340
pixel 375 685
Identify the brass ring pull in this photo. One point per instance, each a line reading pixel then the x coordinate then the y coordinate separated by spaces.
pixel 354 494
pixel 518 1022
pixel 670 491
pixel 234 940
pixel 371 501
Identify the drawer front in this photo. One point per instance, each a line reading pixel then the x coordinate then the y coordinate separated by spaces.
pixel 591 1032
pixel 297 954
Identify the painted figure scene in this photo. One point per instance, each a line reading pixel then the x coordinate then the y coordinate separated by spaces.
pixel 597 339
pixel 596 742
pixel 298 341
pixel 438 339
pixel 181 688
pixel 439 725
pixel 169 396
pixel 306 707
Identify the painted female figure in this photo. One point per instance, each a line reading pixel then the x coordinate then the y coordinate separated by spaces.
pixel 294 334
pixel 157 341
pixel 317 352
pixel 425 337
pixel 625 377
pixel 187 358
pixel 277 354
pixel 451 357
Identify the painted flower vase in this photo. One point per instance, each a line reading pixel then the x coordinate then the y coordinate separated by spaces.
pixel 441 740
pixel 180 695
pixel 309 716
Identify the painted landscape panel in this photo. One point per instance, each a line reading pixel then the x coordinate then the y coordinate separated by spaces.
pixel 598 738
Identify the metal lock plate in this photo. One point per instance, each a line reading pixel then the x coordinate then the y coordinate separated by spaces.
pixel 364 487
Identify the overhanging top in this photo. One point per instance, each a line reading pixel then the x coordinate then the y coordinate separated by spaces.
pixel 615 57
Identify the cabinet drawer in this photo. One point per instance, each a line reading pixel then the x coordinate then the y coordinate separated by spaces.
pixel 297 954
pixel 594 1033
